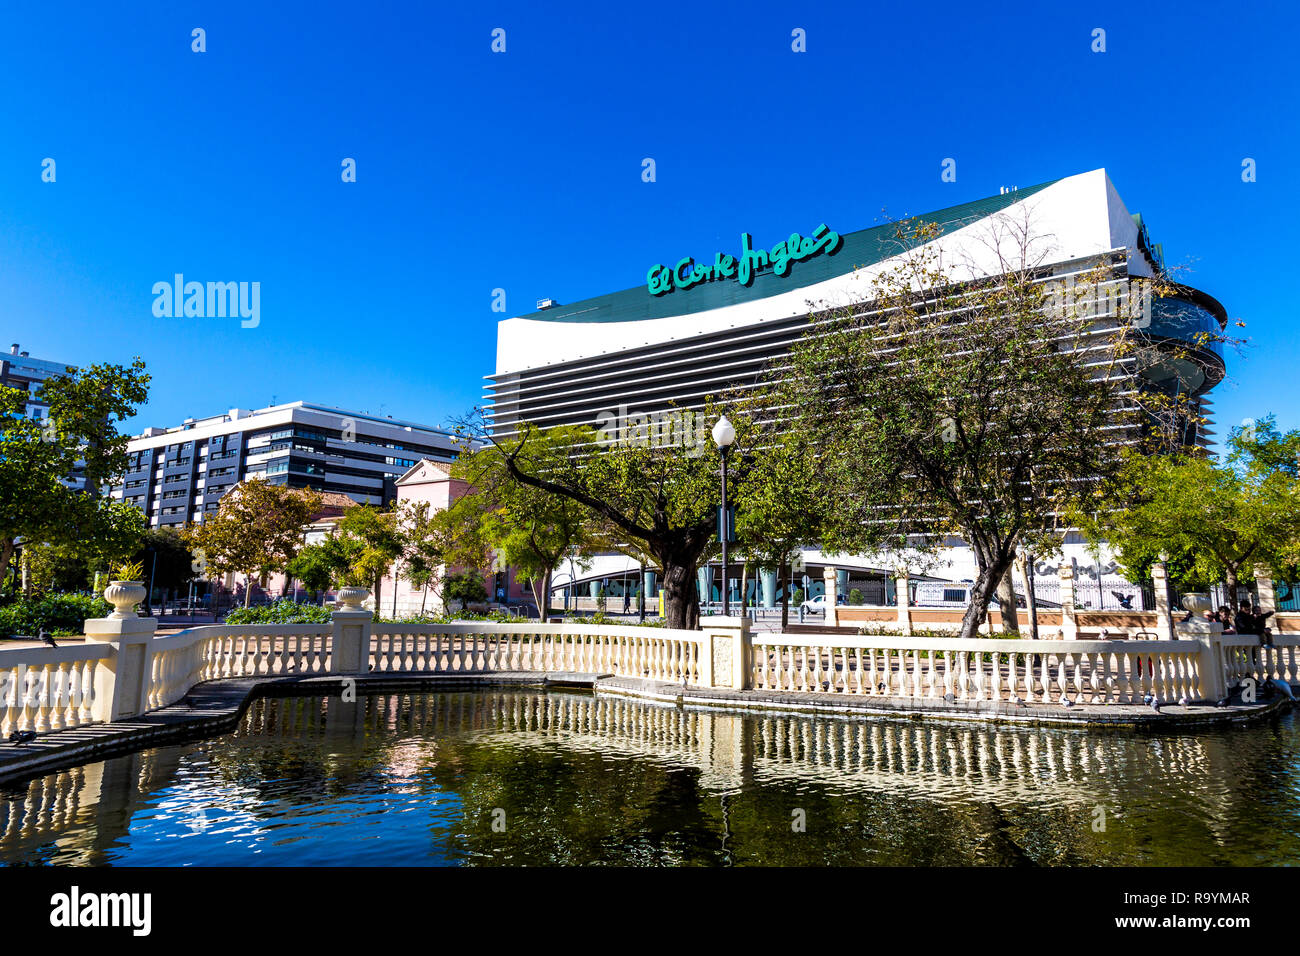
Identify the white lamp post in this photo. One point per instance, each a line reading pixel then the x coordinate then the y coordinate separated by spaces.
pixel 724 434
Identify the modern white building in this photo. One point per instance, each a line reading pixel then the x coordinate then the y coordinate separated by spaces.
pixel 704 321
pixel 177 475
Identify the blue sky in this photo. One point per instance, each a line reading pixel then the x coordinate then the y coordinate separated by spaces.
pixel 522 170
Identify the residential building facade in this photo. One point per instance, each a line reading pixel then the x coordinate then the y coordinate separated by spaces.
pixel 178 475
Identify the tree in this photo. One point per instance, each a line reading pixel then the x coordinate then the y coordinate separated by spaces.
pixel 257 530
pixel 434 540
pixel 369 541
pixel 780 508
pixel 166 558
pixel 316 566
pixel 529 529
pixel 1212 520
pixel 653 485
pixel 954 403
pixel 465 586
pixel 93 533
pixel 79 436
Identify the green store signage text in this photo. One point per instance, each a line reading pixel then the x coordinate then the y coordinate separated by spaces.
pixel 688 272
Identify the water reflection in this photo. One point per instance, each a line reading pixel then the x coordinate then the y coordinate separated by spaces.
pixel 510 777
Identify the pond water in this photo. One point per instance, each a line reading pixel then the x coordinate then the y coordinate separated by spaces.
pixel 494 777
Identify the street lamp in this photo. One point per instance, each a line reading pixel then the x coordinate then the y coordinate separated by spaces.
pixel 724 434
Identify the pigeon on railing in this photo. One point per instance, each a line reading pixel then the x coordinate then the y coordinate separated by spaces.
pixel 20 737
pixel 1155 704
pixel 1020 701
pixel 1066 702
pixel 45 636
pixel 1182 701
pixel 950 697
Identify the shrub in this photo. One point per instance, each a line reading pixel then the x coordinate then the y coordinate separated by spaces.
pixel 855 596
pixel 466 587
pixel 498 617
pixel 797 596
pixel 281 612
pixel 60 614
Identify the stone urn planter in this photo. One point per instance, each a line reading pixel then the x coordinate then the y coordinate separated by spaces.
pixel 1196 602
pixel 350 598
pixel 124 596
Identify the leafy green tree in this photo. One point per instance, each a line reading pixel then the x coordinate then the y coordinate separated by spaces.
pixel 529 529
pixel 656 493
pixel 316 566
pixel 80 436
pixel 434 540
pixel 166 558
pixel 257 530
pixel 950 403
pixel 369 542
pixel 465 586
pixel 780 507
pixel 1213 520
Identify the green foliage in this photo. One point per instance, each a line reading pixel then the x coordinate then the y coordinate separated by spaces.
pixel 85 408
pixel 127 571
pixel 465 586
pixel 964 410
pixel 256 531
pixel 165 559
pixel 498 617
pixel 57 613
pixel 368 541
pixel 600 618
pixel 54 568
pixel 529 529
pixel 855 596
pixel 1214 520
pixel 643 493
pixel 280 612
pixel 797 597
pixel 315 565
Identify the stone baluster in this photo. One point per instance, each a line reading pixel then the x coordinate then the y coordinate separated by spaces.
pixel 1069 620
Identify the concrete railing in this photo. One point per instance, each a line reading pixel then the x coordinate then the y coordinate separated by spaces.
pixel 1086 672
pixel 652 653
pixel 50 688
pixel 1244 657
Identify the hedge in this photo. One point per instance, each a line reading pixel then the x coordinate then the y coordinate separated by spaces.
pixel 60 614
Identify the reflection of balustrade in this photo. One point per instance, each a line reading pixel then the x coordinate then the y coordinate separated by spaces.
pixel 999 765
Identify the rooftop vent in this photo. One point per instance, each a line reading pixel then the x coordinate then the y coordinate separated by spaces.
pixel 546 304
pixel 13 349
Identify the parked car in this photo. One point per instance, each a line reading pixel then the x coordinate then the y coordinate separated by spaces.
pixel 818 603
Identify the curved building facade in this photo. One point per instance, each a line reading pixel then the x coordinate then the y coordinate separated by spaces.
pixel 700 325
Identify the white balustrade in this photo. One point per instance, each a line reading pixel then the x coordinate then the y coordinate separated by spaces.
pixel 1244 657
pixel 653 653
pixel 48 688
pixel 1087 672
